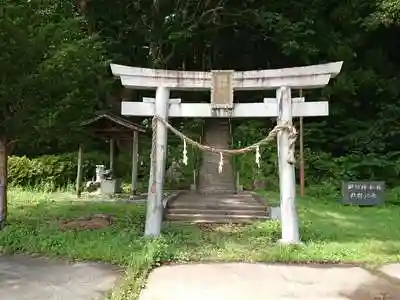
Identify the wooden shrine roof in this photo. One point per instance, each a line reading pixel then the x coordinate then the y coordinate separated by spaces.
pixel 108 124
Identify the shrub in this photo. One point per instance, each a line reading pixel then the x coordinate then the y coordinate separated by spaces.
pixel 55 171
pixel 322 167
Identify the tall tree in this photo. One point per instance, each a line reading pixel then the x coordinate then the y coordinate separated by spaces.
pixel 267 34
pixel 53 73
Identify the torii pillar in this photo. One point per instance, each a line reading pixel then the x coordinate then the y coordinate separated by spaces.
pixel 222 84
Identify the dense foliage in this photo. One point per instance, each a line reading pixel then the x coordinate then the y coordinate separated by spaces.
pixel 52 73
pixel 54 70
pixel 50 171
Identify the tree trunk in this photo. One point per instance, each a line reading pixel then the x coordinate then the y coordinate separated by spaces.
pixel 3 181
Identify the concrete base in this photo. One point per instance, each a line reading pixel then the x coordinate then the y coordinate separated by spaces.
pixel 289 243
pixel 275 213
pixel 110 187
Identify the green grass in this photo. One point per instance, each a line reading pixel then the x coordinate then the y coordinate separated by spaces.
pixel 330 232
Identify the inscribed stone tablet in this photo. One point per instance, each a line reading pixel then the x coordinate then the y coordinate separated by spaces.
pixel 363 192
pixel 221 89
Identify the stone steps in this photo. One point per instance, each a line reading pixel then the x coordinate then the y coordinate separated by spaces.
pixel 216 208
pixel 212 212
pixel 220 190
pixel 217 134
pixel 244 197
pixel 217 219
pixel 216 200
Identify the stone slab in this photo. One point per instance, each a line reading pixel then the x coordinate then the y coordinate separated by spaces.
pixel 238 281
pixel 391 270
pixel 26 278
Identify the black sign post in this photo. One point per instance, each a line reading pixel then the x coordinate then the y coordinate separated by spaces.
pixel 363 192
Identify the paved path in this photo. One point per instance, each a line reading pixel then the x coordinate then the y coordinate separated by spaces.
pixel 25 278
pixel 238 281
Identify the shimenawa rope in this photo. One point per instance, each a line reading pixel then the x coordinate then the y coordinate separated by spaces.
pixel 256 146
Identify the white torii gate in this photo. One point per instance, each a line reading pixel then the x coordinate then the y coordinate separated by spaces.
pixel 222 85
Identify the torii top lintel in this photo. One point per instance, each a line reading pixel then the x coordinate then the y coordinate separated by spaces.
pixel 307 77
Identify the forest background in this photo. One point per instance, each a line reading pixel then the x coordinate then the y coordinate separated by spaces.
pixel 55 74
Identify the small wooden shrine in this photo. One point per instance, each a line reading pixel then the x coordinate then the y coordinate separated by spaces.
pixel 112 128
